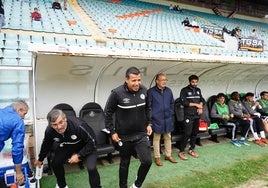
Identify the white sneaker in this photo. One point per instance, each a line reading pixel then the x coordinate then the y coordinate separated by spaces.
pixel 59 187
pixel 133 186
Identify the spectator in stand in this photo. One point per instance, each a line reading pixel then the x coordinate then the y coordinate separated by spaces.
pixel 225 30
pixel 253 107
pixel 221 115
pixel 186 22
pixel 64 5
pixel 162 104
pixel 243 117
pixel 194 23
pixel 2 15
pixel 253 33
pixel 56 5
pixel 12 126
pixel 36 16
pixel 192 101
pixel 236 32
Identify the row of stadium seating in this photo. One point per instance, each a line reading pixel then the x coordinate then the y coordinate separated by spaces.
pixel 161 25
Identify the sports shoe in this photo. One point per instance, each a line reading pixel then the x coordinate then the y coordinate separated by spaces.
pixel 182 156
pixel 192 153
pixel 259 142
pixel 59 187
pixel 243 142
pixel 264 140
pixel 158 162
pixel 236 143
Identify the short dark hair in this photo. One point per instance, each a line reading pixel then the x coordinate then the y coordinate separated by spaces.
pixel 249 94
pixel 193 77
pixel 220 95
pixel 132 70
pixel 234 93
pixel 263 93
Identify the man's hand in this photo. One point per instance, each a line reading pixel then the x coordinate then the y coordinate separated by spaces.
pixel 149 130
pixel 19 178
pixel 38 163
pixel 19 174
pixel 74 159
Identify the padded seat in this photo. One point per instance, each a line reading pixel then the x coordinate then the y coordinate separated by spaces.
pixel 93 114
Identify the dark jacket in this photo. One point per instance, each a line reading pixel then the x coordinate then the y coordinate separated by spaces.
pixel 162 105
pixel 78 136
pixel 191 95
pixel 131 111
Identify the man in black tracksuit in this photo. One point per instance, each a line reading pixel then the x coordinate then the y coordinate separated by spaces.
pixel 130 105
pixel 192 101
pixel 72 140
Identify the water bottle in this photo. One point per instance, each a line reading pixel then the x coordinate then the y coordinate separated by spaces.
pixel 38 172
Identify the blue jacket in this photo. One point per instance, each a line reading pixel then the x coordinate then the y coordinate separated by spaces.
pixel 12 126
pixel 162 105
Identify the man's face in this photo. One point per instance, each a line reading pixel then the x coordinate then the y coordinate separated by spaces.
pixel 221 100
pixel 193 83
pixel 133 82
pixel 249 98
pixel 265 97
pixel 161 81
pixel 59 125
pixel 236 97
pixel 22 112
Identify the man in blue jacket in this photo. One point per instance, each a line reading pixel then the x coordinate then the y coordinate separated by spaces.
pixel 12 126
pixel 132 126
pixel 162 105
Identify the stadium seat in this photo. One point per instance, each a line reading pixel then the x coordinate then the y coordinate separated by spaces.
pixel 93 114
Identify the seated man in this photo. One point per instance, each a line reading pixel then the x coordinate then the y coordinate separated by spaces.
pixel 220 114
pixel 243 118
pixel 264 103
pixel 186 22
pixel 252 107
pixel 75 141
pixel 56 5
pixel 36 16
pixel 264 109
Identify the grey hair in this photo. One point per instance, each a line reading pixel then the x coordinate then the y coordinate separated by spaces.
pixel 20 105
pixel 53 115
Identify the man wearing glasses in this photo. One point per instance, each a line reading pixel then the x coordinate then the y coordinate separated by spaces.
pixel 162 105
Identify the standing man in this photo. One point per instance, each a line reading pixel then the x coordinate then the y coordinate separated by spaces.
pixel 72 140
pixel 192 101
pixel 131 109
pixel 162 104
pixel 12 126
